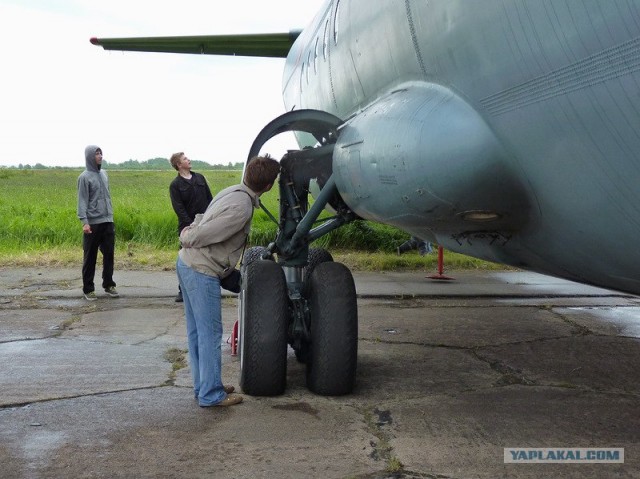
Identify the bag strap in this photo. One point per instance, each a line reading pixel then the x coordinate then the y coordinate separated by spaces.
pixel 246 240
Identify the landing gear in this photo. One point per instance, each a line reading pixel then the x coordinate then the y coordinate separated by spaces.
pixel 305 299
pixel 331 367
pixel 263 329
pixel 331 350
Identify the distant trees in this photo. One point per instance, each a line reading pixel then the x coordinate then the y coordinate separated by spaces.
pixel 163 164
pixel 37 166
pixel 151 164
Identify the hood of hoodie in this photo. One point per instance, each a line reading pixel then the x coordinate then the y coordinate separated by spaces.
pixel 90 157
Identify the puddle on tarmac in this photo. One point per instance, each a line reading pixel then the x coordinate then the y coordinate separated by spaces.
pixel 625 319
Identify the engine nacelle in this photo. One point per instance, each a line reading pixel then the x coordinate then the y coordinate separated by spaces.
pixel 423 159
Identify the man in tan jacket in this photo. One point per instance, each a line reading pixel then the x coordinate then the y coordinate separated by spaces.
pixel 212 246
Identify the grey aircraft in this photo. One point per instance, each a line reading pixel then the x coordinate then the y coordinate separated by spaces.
pixel 503 130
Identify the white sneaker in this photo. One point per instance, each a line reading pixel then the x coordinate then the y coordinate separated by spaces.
pixel 111 291
pixel 90 296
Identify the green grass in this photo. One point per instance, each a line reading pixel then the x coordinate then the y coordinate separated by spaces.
pixel 39 226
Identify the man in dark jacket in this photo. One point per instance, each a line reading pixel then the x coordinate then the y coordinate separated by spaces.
pixel 190 195
pixel 96 214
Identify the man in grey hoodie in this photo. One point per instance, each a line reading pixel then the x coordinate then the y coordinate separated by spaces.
pixel 96 214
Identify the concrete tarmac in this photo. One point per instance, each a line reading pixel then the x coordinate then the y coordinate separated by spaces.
pixel 449 375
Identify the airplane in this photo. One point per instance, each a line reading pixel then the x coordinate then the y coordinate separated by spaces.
pixel 507 131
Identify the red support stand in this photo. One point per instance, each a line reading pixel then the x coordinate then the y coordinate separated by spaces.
pixel 234 340
pixel 440 274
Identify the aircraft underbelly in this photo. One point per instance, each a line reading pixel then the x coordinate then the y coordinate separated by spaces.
pixel 580 152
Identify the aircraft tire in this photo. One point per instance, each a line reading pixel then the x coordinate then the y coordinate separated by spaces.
pixel 252 254
pixel 333 352
pixel 315 257
pixel 264 313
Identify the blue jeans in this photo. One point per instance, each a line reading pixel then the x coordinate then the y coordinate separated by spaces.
pixel 202 309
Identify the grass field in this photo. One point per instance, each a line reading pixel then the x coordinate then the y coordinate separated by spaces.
pixel 38 224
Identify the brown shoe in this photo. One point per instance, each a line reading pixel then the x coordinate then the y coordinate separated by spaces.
pixel 230 400
pixel 227 389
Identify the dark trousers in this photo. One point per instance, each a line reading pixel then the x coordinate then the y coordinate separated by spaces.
pixel 103 238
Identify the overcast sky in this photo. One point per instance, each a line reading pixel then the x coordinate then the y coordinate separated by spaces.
pixel 59 93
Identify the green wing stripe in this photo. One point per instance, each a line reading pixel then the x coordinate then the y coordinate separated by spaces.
pixel 275 45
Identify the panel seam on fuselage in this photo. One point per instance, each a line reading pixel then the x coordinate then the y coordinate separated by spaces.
pixel 597 68
pixel 414 38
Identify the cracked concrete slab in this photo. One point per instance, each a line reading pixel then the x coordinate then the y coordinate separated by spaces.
pixel 24 324
pixel 401 371
pixel 127 325
pixel 428 322
pixel 49 369
pixel 608 320
pixel 599 363
pixel 461 436
pixel 265 437
pixel 447 377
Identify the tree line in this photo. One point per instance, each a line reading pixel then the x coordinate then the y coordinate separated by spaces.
pixel 151 164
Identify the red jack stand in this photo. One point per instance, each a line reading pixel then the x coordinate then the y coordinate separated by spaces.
pixel 440 267
pixel 234 340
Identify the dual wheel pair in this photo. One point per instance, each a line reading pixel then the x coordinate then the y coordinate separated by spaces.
pixel 267 314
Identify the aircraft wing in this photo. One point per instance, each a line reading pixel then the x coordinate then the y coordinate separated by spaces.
pixel 274 45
